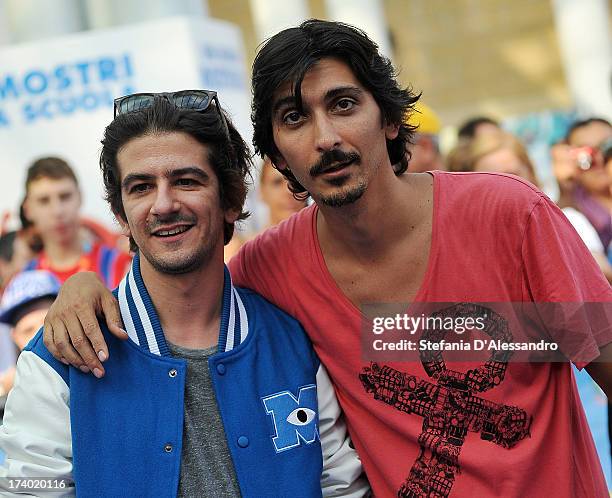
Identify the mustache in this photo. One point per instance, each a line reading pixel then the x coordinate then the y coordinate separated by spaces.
pixel 331 157
pixel 171 219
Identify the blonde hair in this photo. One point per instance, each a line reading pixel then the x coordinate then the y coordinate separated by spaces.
pixel 466 155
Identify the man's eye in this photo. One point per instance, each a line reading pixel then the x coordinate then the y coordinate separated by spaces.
pixel 292 117
pixel 185 182
pixel 345 104
pixel 140 188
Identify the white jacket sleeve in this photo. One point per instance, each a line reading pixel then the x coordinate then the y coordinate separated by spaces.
pixel 342 471
pixel 35 437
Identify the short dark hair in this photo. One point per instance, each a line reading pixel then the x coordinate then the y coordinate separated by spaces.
pixel 49 167
pixel 228 155
pixel 7 246
pixel 288 55
pixel 584 122
pixel 23 219
pixel 468 129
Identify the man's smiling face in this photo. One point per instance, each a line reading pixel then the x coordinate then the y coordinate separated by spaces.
pixel 171 200
pixel 336 143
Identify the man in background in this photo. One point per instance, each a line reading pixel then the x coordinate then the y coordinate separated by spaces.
pixel 425 151
pixel 52 204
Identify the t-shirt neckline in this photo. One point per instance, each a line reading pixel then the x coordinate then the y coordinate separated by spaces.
pixel 329 279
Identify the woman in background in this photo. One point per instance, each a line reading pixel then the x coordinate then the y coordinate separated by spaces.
pixel 504 153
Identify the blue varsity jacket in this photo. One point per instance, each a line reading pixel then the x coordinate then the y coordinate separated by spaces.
pixel 127 427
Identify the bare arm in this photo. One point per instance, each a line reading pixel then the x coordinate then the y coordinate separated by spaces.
pixel 603 263
pixel 601 370
pixel 72 333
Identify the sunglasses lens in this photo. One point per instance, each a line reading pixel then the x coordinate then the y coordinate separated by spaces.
pixel 134 103
pixel 198 101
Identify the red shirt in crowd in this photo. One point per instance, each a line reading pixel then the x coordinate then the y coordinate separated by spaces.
pixel 109 263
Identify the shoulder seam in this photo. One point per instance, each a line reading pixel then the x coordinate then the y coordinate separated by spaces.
pixel 49 365
pixel 524 236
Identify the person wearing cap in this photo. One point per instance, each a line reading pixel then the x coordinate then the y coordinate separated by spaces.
pixel 425 151
pixel 25 302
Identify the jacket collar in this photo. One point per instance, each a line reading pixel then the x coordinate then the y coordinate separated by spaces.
pixel 143 326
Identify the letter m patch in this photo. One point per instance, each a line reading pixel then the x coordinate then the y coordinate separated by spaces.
pixel 295 419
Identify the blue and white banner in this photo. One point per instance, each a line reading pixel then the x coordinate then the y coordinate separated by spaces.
pixel 56 95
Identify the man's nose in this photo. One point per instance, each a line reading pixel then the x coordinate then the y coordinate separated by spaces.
pixel 56 207
pixel 326 135
pixel 165 202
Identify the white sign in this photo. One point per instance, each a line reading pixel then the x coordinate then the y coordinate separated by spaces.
pixel 56 96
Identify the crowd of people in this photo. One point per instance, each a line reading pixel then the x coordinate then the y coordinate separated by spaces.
pixel 346 155
pixel 53 243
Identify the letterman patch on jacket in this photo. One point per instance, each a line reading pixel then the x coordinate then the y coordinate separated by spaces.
pixel 295 419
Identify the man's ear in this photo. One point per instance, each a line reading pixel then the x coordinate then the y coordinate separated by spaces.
pixel 231 215
pixel 26 208
pixel 391 131
pixel 125 228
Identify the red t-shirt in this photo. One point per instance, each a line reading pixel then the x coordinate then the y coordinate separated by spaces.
pixel 109 263
pixel 495 238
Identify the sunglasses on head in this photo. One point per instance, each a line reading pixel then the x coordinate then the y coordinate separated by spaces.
pixel 194 100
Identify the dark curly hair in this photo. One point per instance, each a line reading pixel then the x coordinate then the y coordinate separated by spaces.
pixel 288 55
pixel 228 156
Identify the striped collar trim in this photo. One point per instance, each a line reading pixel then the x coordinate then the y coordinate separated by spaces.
pixel 142 323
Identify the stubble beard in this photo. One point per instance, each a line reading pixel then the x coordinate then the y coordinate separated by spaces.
pixel 344 197
pixel 180 265
pixel 176 263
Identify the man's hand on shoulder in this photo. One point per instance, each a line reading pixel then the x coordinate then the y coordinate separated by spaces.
pixel 72 333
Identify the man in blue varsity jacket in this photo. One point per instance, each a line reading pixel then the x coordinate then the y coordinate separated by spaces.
pixel 217 392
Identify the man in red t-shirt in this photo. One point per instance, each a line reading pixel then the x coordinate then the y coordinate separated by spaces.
pixel 52 204
pixel 376 235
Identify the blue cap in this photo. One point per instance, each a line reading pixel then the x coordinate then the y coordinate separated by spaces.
pixel 24 288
